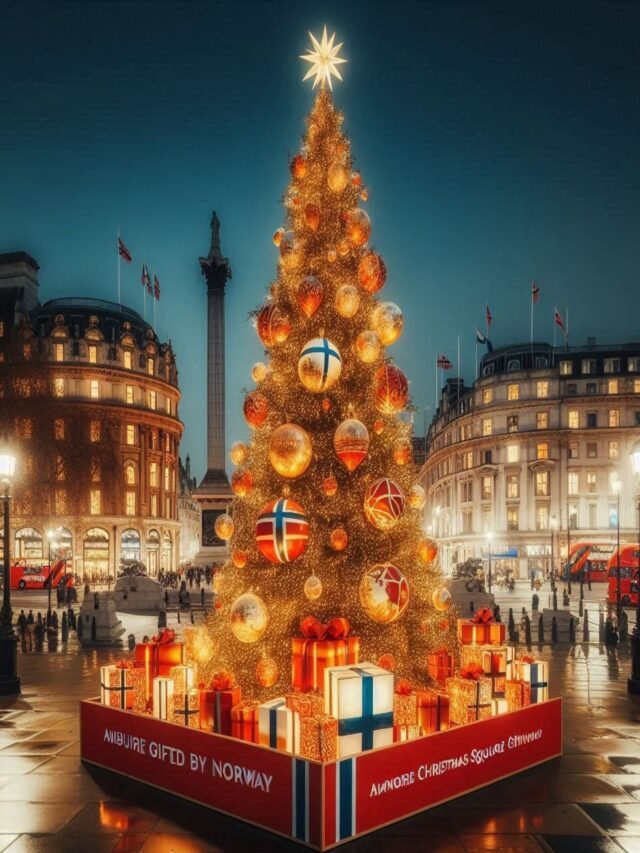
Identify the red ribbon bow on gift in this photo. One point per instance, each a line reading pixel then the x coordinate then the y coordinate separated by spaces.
pixel 202 685
pixel 527 659
pixel 167 635
pixel 483 616
pixel 337 628
pixel 404 687
pixel 443 650
pixel 223 680
pixel 124 664
pixel 472 671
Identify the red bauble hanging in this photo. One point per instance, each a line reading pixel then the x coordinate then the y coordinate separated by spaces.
pixel 310 295
pixel 242 482
pixel 312 216
pixel 384 503
pixel 255 408
pixel 273 325
pixel 391 389
pixel 282 531
pixel 372 272
pixel 351 443
pixel 298 166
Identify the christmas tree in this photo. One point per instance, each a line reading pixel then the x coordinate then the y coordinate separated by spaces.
pixel 327 518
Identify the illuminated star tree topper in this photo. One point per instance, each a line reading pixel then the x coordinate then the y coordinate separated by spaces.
pixel 324 60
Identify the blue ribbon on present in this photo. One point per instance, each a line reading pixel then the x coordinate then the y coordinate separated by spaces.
pixel 535 684
pixel 369 722
pixel 273 724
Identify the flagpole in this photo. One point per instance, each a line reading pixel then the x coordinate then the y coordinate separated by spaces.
pixel 154 303
pixel 555 311
pixel 458 380
pixel 144 291
pixel 118 251
pixel 436 382
pixel 566 332
pixel 476 373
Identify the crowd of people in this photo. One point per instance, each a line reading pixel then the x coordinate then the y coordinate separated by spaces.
pixel 33 630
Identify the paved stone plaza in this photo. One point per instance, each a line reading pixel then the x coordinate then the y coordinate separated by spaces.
pixel 587 801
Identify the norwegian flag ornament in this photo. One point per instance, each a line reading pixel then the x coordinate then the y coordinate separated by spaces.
pixel 384 503
pixel 282 531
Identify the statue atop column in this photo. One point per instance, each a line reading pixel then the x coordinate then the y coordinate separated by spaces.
pixel 215 268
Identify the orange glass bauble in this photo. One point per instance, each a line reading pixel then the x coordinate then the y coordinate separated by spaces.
pixel 417 497
pixel 290 450
pixel 242 482
pixel 330 486
pixel 428 551
pixel 343 248
pixel 313 587
pixel 312 216
pixel 391 389
pixel 298 166
pixel 339 539
pixel 278 234
pixel 239 558
pixel 224 527
pixel 401 452
pixel 310 295
pixel 387 321
pixel 255 408
pixel 368 346
pixel 347 301
pixel 384 593
pixel 351 443
pixel 356 179
pixel 326 404
pixel 378 426
pixel 372 272
pixel 259 372
pixel 238 452
pixel 441 599
pixel 267 672
pixel 387 662
pixel 358 227
pixel 331 255
pixel 337 176
pixel 273 325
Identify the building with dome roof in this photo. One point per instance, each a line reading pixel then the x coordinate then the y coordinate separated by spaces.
pixel 90 399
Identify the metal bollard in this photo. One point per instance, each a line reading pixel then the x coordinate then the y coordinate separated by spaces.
pixel 541 630
pixel 585 627
pixel 554 630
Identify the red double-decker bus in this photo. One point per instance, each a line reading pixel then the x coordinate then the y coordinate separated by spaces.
pixel 24 576
pixel 629 576
pixel 589 560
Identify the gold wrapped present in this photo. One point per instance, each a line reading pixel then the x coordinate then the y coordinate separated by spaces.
pixel 183 678
pixel 497 663
pixel 186 708
pixel 124 685
pixel 405 704
pixel 517 694
pixel 319 737
pixel 402 733
pixel 305 704
pixel 469 696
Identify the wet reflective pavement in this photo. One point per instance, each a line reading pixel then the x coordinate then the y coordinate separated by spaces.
pixel 588 800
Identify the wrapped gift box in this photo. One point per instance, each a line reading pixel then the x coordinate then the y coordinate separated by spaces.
pixel 536 672
pixel 440 666
pixel 277 726
pixel 310 658
pixel 186 708
pixel 405 705
pixel 319 737
pixel 207 707
pixel 226 694
pixel 159 655
pixel 402 733
pixel 361 699
pixel 433 711
pixel 472 633
pixel 123 686
pixel 517 694
pixel 163 697
pixel 497 663
pixel 305 704
pixel 469 699
pixel 499 706
pixel 244 721
pixel 183 678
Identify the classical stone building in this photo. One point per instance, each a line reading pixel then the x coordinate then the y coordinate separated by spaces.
pixel 188 514
pixel 90 398
pixel 526 461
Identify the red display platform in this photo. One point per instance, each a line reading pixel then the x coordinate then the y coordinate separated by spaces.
pixel 319 805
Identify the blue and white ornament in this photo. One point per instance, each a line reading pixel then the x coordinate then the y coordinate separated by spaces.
pixel 319 365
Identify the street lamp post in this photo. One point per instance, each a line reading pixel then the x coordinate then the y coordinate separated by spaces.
pixel 617 487
pixel 633 683
pixel 50 536
pixel 9 680
pixel 489 540
pixel 553 524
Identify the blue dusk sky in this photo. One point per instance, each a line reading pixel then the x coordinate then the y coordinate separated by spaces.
pixel 500 143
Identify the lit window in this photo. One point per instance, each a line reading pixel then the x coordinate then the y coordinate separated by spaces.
pixel 612 386
pixel 26 352
pixel 513 391
pixel 130 475
pixel 58 429
pixel 487 483
pixel 487 396
pixel 636 386
pixel 542 484
pixel 154 506
pixel 58 352
pixel 153 475
pixel 513 486
pixel 633 365
pixel 588 365
pixel 150 366
pixel 613 479
pixel 95 389
pixel 58 387
pixel 591 482
pixel 574 450
pixel 542 388
pixel 60 501
pixel 614 450
pixel 542 518
pixel 130 394
pixel 574 419
pixel 131 434
pixel 95 431
pixel 566 368
pixel 542 420
pixel 542 450
pixel 573 516
pixel 614 417
pixel 93 354
pixel 513 453
pixel 95 471
pixel 24 427
pixel 169 406
pixel 487 426
pixel 59 470
pixel 573 483
pixel 1 328
pixel 128 359
pixel 152 399
pixel 167 507
pixel 130 508
pixel 166 478
pixel 94 502
pixel 513 518
pixel 512 423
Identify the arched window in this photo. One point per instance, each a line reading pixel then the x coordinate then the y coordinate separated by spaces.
pixel 29 544
pixel 130 544
pixel 130 474
pixel 95 555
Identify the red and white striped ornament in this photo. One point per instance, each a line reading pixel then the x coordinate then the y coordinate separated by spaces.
pixel 384 503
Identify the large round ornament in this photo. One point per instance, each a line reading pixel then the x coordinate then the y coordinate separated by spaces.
pixel 239 558
pixel 249 618
pixel 368 346
pixel 428 551
pixel 339 539
pixel 267 672
pixel 378 426
pixel 282 531
pixel 441 599
pixel 351 443
pixel 313 587
pixel 384 593
pixel 310 295
pixel 388 322
pixel 330 486
pixel 259 372
pixel 358 227
pixel 242 482
pixel 288 249
pixel 312 216
pixel 255 408
pixel 224 527
pixel 337 176
pixel 401 451
pixel 298 166
pixel 391 389
pixel 238 452
pixel 290 450
pixel 347 301
pixel 273 325
pixel 384 503
pixel 417 497
pixel 372 272
pixel 319 365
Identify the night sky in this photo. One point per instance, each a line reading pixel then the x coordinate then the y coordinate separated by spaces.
pixel 500 143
